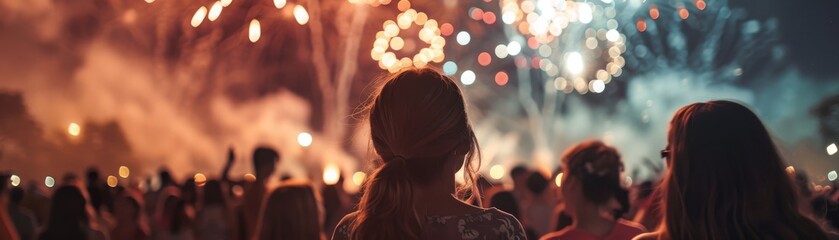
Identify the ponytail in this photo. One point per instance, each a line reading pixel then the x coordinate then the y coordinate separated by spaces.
pixel 386 210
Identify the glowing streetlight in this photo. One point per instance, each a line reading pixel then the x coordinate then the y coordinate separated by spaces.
pixel 331 174
pixel 305 139
pixel 74 129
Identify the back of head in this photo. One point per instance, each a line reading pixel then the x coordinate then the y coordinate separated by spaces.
pixel 726 180
pixel 264 160
pixel 597 168
pixel 68 213
pixel 537 183
pixel 291 212
pixel 418 121
pixel 505 201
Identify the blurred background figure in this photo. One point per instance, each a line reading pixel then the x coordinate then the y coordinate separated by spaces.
pixel 69 217
pixel 539 210
pixel 291 211
pixel 22 218
pixel 336 203
pixel 721 160
pixel 7 228
pixel 594 197
pixel 128 214
pixel 215 219
pixel 264 164
pixel 172 220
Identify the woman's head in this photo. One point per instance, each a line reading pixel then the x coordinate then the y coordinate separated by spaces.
pixel 726 179
pixel 291 211
pixel 127 209
pixel 419 115
pixel 418 121
pixel 592 176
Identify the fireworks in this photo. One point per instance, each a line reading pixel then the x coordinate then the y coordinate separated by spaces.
pixel 388 39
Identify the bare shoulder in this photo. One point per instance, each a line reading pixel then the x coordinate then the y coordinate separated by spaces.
pixel 649 236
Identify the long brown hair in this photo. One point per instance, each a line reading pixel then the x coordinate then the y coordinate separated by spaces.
pixel 291 211
pixel 417 121
pixel 726 179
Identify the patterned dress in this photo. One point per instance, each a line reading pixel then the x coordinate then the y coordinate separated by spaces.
pixel 489 224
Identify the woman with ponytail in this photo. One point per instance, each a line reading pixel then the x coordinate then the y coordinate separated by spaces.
pixel 594 197
pixel 422 136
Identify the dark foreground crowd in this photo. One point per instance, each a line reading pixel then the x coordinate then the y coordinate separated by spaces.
pixel 723 179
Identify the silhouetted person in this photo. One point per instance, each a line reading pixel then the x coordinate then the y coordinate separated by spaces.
pixel 23 219
pixel 291 212
pixel 128 213
pixel 264 162
pixel 505 201
pixel 539 210
pixel 519 175
pixel 97 190
pixel 594 197
pixel 69 219
pixel 726 180
pixel 171 217
pixel 336 204
pixel 7 228
pixel 215 220
pixel 422 136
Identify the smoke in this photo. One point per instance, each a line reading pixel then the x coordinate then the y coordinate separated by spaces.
pixel 177 119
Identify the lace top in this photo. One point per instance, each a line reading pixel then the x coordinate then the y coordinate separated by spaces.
pixel 489 224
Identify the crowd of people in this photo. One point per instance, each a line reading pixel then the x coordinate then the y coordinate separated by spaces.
pixel 723 179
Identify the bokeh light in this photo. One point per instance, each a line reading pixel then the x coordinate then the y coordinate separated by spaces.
pixel 301 15
pixel 700 4
pixel 254 31
pixel 832 149
pixel 831 175
pixel 467 77
pixel 198 17
pixel 112 181
pixel 429 33
pixel 501 78
pixel 124 172
pixel 279 3
pixel 331 174
pixel 446 29
pixel 683 13
pixel 215 11
pixel 200 179
pixel 641 25
pixel 513 48
pixel 305 139
pixel 790 170
pixel 558 180
pixel 358 178
pixel 49 181
pixel 574 62
pixel 450 68
pixel 15 180
pixel 484 59
pixel 249 177
pixel 463 38
pixel 74 129
pixel 597 86
pixel 496 172
pixel 654 14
